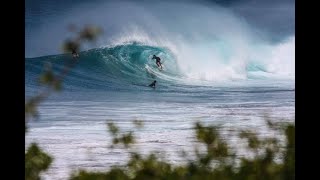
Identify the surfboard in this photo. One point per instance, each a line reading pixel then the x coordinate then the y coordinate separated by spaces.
pixel 154 70
pixel 143 85
pixel 160 67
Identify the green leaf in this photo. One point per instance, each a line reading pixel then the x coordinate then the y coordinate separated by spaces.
pixel 113 129
pixel 90 32
pixel 36 161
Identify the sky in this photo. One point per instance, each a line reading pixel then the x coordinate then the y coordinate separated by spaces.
pixel 46 20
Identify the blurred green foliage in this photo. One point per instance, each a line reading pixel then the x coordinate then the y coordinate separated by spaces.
pixel 36 161
pixel 88 33
pixel 216 162
pixel 118 138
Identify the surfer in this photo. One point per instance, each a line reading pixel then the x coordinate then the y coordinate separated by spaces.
pixel 74 53
pixel 157 61
pixel 153 84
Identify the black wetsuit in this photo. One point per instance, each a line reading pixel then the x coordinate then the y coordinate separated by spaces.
pixel 74 54
pixel 153 84
pixel 158 60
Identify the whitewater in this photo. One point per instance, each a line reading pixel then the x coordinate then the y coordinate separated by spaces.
pixel 218 69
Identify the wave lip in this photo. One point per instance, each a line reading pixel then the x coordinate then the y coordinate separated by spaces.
pixel 131 64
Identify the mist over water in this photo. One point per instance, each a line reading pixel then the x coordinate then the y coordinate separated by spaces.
pixel 207 42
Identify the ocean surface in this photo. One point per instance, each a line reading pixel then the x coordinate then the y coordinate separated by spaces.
pixel 224 74
pixel 111 84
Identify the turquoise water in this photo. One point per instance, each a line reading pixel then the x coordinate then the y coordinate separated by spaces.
pixel 111 84
pixel 218 69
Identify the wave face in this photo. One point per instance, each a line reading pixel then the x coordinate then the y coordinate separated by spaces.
pixel 213 46
pixel 118 67
pixel 218 68
pixel 129 65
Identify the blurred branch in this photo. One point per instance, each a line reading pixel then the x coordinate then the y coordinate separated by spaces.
pixel 54 82
pixel 209 164
pixel 36 161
